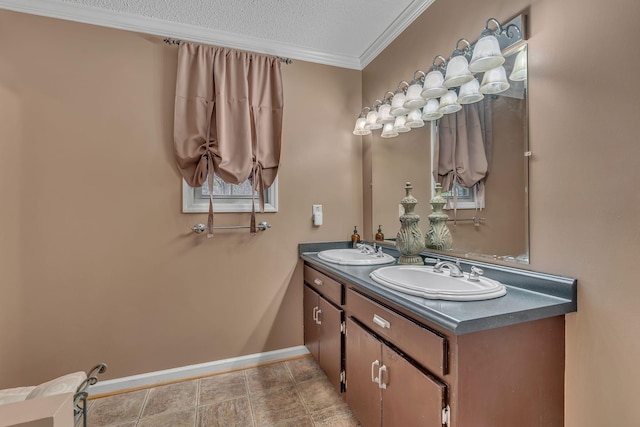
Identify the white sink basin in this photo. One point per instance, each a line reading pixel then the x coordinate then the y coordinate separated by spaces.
pixel 354 257
pixel 424 282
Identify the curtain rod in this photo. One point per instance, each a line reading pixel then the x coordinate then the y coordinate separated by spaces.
pixel 168 40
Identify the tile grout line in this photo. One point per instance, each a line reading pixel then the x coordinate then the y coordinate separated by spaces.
pixel 254 421
pixel 304 403
pixel 144 403
pixel 195 418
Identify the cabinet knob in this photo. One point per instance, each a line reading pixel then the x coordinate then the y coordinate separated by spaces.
pixel 318 282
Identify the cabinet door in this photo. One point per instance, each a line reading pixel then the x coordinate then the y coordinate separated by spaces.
pixel 311 334
pixel 362 352
pixel 410 398
pixel 330 341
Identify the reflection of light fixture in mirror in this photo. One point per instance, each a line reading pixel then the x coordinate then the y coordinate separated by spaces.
pixel 397 102
pixel 469 93
pixel 449 103
pixel 413 98
pixel 400 125
pixel 384 108
pixel 414 119
pixel 434 80
pixel 372 117
pixel 494 81
pixel 431 111
pixel 361 123
pixel 519 72
pixel 458 67
pixel 487 53
pixel 388 132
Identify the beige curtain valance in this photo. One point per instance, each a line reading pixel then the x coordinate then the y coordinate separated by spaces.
pixel 228 118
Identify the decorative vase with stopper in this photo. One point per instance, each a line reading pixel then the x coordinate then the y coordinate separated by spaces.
pixel 409 241
pixel 438 235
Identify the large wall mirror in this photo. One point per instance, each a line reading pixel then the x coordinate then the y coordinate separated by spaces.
pixel 497 230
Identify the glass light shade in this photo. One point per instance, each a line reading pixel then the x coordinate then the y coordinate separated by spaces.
pixel 387 131
pixel 449 103
pixel 414 119
pixel 372 120
pixel 397 104
pixel 519 72
pixel 433 85
pixel 430 111
pixel 457 72
pixel 413 99
pixel 383 114
pixel 360 128
pixel 486 55
pixel 469 93
pixel 400 125
pixel 494 81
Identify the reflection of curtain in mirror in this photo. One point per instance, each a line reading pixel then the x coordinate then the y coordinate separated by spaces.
pixel 462 151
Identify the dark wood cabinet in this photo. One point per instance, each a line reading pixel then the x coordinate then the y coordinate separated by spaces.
pixel 402 370
pixel 386 389
pixel 323 325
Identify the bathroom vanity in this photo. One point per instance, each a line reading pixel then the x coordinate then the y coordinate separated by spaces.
pixel 403 360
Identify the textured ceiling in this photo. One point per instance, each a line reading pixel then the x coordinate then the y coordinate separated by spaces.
pixel 348 29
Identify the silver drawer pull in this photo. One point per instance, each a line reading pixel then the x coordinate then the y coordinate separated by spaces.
pixel 381 322
pixel 318 282
pixel 318 320
pixel 374 379
pixel 315 314
pixel 382 369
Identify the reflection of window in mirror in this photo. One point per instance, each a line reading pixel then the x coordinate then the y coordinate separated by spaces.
pixel 227 197
pixel 467 198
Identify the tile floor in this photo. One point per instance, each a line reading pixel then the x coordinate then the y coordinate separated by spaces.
pixel 295 393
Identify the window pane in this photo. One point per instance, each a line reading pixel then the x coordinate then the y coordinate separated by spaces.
pixel 221 188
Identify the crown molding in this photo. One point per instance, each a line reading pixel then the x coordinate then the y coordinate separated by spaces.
pixel 185 32
pixel 409 15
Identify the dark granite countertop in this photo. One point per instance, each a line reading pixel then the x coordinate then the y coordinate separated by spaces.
pixel 530 295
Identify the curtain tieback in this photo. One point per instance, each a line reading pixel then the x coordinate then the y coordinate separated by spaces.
pixel 257 184
pixel 209 159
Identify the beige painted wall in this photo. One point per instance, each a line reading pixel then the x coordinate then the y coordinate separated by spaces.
pixel 96 255
pixel 585 205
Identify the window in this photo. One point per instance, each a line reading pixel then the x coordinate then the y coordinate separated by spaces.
pixel 466 198
pixel 227 198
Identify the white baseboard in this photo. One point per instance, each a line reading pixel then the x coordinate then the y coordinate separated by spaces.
pixel 202 369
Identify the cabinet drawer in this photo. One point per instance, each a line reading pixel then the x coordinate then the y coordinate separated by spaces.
pixel 421 344
pixel 328 287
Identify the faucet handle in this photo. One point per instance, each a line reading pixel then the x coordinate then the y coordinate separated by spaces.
pixel 475 274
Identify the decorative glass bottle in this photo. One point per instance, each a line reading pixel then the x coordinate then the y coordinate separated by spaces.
pixel 409 241
pixel 438 235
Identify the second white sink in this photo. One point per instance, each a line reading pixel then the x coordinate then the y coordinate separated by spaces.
pixel 424 282
pixel 354 257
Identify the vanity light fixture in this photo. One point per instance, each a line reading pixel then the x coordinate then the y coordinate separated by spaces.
pixel 397 102
pixel 452 80
pixel 372 117
pixel 400 125
pixel 434 80
pixel 449 103
pixel 519 72
pixel 431 111
pixel 383 110
pixel 470 93
pixel 487 53
pixel 494 81
pixel 413 97
pixel 361 122
pixel 458 67
pixel 414 119
pixel 388 131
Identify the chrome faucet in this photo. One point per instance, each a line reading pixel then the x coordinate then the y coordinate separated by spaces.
pixel 366 248
pixel 454 268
